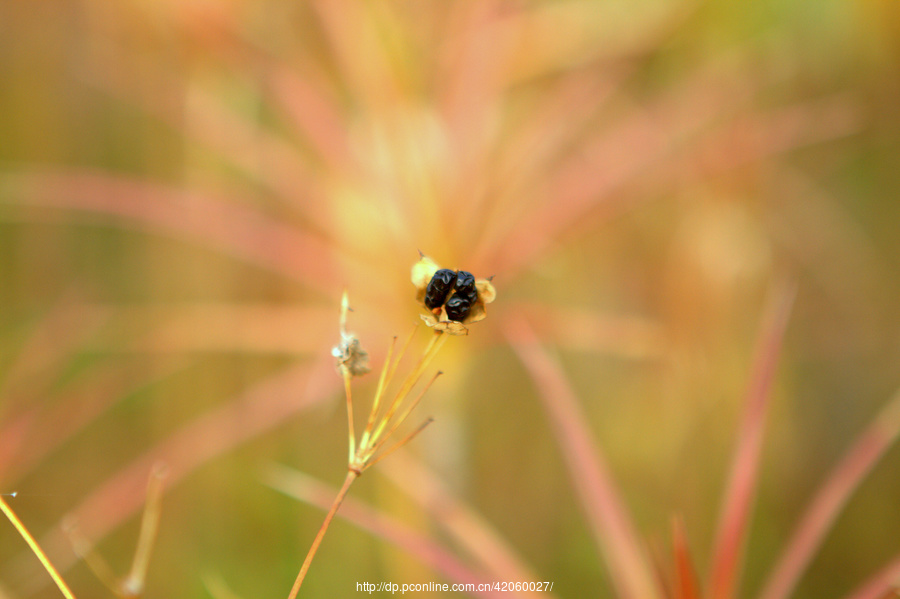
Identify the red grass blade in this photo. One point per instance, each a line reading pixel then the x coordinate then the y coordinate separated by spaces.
pixel 754 137
pixel 686 585
pixel 68 411
pixel 612 527
pixel 830 499
pixel 738 499
pixel 255 150
pixel 30 376
pixel 210 435
pixel 885 584
pixel 361 53
pixel 543 139
pixel 307 489
pixel 662 567
pixel 625 335
pixel 314 112
pixel 471 87
pixel 264 327
pixel 49 345
pixel 643 142
pixel 236 230
pixel 301 90
pixel 470 531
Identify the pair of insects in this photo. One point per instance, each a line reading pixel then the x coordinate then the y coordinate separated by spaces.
pixel 459 287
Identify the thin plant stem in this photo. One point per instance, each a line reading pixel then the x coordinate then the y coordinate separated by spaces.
pixel 258 409
pixel 830 499
pixel 737 503
pixel 423 547
pixel 45 561
pixel 464 525
pixel 403 416
pixel 93 560
pixel 378 392
pixel 373 438
pixel 345 373
pixel 687 586
pixel 131 585
pixel 134 582
pixel 610 521
pixel 435 344
pixel 882 585
pixel 399 444
pixel 351 476
pixel 390 369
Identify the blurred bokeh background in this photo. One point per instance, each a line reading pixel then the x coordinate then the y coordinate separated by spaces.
pixel 187 187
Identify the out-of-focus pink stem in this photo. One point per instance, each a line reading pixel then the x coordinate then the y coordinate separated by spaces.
pixel 737 503
pixel 830 499
pixel 884 581
pixel 312 491
pixel 611 524
pixel 210 435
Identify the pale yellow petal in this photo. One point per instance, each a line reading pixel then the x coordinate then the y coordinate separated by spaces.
pixel 422 271
pixel 486 292
pixel 476 313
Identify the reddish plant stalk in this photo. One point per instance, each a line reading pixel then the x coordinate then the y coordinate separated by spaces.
pixel 352 475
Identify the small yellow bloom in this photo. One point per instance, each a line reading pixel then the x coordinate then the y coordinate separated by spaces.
pixel 459 300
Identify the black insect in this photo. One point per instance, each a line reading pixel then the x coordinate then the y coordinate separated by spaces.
pixel 465 286
pixel 457 308
pixel 439 287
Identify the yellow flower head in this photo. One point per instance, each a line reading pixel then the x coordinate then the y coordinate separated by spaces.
pixel 452 298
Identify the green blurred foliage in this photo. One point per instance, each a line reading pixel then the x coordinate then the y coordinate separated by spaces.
pixel 144 330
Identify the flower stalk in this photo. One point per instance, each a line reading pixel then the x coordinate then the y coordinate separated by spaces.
pixel 351 476
pixel 385 416
pixel 45 561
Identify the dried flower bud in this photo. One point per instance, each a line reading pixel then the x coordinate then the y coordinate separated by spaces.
pixel 349 352
pixel 351 355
